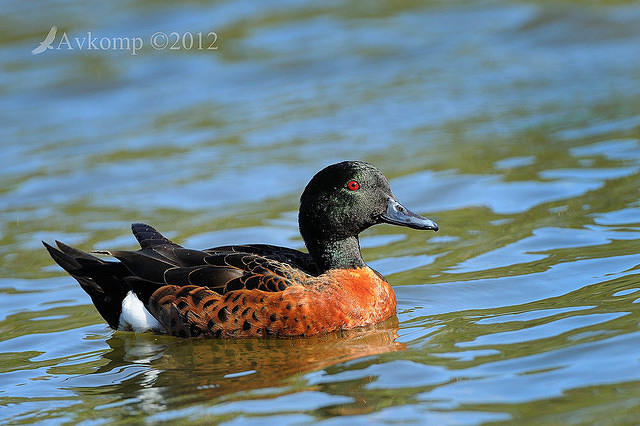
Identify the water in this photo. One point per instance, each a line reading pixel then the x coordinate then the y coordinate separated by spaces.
pixel 515 125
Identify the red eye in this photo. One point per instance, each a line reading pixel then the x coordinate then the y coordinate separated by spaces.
pixel 353 186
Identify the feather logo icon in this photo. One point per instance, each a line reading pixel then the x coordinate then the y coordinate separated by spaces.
pixel 46 43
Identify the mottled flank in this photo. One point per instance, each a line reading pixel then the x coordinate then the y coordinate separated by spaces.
pixel 339 299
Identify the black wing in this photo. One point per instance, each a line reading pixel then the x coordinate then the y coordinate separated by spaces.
pixel 161 262
pixel 295 258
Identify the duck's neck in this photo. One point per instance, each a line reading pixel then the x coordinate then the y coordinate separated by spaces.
pixel 336 254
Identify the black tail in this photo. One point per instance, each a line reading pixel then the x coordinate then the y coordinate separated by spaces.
pixel 103 281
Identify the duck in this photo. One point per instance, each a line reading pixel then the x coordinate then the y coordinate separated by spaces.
pixel 255 290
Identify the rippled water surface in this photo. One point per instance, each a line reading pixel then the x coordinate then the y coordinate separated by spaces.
pixel 516 125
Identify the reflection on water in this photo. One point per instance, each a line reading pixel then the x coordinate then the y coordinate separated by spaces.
pixel 515 126
pixel 153 372
pixel 251 363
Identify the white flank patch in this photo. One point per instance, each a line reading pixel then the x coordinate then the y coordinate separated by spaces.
pixel 135 317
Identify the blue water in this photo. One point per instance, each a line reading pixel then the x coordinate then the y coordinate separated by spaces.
pixel 516 126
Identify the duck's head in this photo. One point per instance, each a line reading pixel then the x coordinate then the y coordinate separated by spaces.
pixel 343 200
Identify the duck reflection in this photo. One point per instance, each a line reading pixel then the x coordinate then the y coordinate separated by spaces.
pixel 200 369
